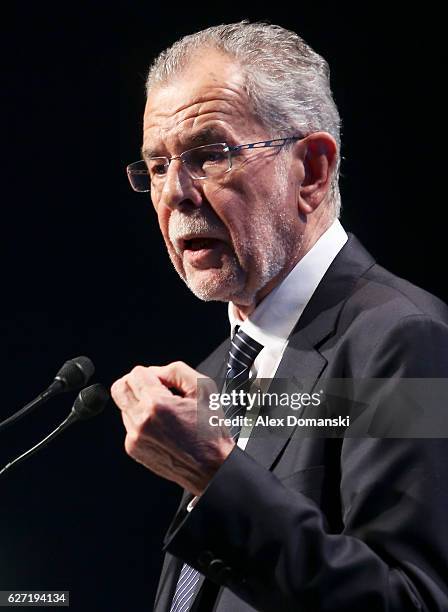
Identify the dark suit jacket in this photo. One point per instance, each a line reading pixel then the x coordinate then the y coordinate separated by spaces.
pixel 315 524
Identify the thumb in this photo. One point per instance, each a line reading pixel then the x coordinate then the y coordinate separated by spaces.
pixel 179 376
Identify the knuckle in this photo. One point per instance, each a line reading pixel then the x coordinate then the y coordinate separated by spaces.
pixel 130 443
pixel 179 364
pixel 115 388
pixel 153 369
pixel 138 369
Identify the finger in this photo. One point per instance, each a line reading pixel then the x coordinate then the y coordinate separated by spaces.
pixel 144 383
pixel 123 395
pixel 180 376
pixel 129 424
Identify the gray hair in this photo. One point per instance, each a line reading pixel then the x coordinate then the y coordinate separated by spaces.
pixel 287 82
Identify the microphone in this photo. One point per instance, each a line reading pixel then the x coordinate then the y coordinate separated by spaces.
pixel 75 373
pixel 90 402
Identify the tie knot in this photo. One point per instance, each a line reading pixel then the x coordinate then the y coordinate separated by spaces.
pixel 242 354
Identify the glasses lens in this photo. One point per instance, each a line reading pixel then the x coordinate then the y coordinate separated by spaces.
pixel 207 161
pixel 157 168
pixel 138 176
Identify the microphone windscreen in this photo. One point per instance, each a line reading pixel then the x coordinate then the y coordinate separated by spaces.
pixel 76 373
pixel 91 401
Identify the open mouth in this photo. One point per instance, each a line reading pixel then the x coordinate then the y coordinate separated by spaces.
pixel 197 244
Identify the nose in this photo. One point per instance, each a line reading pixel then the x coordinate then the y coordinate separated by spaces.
pixel 179 188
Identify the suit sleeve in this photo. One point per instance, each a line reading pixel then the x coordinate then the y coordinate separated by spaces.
pixel 271 546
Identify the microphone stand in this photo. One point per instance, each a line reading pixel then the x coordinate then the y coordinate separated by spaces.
pixel 65 423
pixel 52 390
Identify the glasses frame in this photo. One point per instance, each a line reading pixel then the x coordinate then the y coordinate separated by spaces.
pixel 230 150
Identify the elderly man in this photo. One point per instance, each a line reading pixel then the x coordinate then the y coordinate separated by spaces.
pixel 241 154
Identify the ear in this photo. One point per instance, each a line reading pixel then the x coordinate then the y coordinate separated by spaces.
pixel 319 157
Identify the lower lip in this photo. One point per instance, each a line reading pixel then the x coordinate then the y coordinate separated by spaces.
pixel 203 258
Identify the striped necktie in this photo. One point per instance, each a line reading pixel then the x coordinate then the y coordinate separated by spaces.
pixel 242 354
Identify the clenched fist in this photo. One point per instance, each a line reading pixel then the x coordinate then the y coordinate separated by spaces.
pixel 165 431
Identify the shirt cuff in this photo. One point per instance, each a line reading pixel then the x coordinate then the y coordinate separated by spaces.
pixel 193 503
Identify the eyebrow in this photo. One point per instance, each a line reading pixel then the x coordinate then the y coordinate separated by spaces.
pixel 208 135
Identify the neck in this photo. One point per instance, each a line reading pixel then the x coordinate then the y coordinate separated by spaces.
pixel 242 311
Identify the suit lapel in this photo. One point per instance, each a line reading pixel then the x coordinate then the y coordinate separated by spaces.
pixel 167 583
pixel 302 362
pixel 215 364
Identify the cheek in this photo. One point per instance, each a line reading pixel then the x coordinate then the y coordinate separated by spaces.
pixel 231 203
pixel 163 218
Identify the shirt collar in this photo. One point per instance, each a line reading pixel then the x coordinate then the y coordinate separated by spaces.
pixel 277 314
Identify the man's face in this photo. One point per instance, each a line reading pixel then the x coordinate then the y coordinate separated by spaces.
pixel 233 236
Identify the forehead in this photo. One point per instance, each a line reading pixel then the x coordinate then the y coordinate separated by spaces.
pixel 207 100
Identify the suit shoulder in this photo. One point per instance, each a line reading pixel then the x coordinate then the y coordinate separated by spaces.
pixel 390 327
pixel 379 293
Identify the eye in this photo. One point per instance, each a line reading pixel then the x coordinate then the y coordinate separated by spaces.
pixel 157 166
pixel 213 156
pixel 207 157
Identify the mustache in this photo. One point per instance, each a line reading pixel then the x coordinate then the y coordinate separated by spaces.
pixel 198 222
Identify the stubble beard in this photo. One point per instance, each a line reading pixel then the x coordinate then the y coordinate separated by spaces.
pixel 267 250
pixel 212 284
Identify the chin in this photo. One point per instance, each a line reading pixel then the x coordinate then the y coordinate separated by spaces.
pixel 215 284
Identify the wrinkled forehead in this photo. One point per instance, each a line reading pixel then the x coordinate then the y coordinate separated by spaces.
pixel 208 96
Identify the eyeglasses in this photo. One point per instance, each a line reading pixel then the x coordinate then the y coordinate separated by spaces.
pixel 201 163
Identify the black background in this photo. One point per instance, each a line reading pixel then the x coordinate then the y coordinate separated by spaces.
pixel 84 270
